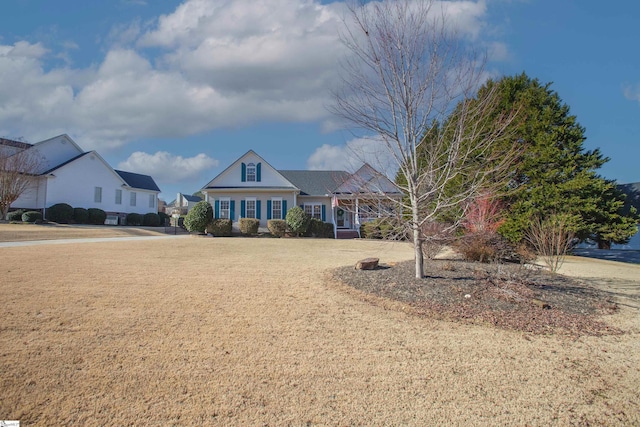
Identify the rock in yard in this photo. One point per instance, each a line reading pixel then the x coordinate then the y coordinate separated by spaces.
pixel 367 264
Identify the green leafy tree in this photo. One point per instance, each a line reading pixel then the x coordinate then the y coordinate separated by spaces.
pixel 199 217
pixel 555 174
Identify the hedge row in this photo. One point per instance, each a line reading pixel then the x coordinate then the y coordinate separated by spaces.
pixel 220 227
pixel 310 227
pixel 63 213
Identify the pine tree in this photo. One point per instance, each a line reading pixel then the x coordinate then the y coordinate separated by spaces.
pixel 555 174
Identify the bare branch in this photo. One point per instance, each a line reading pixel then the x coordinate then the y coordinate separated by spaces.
pixel 411 82
pixel 18 169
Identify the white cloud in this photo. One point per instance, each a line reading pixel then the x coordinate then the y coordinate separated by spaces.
pixel 632 92
pixel 352 155
pixel 165 167
pixel 222 63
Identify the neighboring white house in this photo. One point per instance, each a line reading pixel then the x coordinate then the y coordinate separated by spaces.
pixel 182 203
pixel 252 188
pixel 85 180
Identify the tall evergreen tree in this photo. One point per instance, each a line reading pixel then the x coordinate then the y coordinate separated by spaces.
pixel 555 174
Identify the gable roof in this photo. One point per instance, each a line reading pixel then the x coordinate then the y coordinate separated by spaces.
pixel 218 177
pixel 136 180
pixel 315 183
pixel 15 144
pixel 189 198
pixel 368 180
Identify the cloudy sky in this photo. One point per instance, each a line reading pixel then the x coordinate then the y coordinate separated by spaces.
pixel 180 89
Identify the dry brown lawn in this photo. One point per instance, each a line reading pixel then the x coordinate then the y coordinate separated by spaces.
pixel 29 232
pixel 215 331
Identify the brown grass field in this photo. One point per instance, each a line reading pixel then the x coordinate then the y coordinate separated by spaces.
pixel 241 331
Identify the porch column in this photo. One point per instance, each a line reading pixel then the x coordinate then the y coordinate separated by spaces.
pixel 357 218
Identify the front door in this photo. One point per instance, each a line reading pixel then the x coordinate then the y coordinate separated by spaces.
pixel 343 219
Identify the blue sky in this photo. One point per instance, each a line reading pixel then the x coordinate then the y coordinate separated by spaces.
pixel 180 89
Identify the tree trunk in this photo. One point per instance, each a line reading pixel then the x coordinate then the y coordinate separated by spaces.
pixel 417 240
pixel 417 245
pixel 604 244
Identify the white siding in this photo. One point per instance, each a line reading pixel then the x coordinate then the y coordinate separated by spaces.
pixel 33 197
pixel 232 177
pixel 75 184
pixel 57 151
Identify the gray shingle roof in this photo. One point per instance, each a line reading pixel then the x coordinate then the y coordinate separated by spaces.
pixel 368 180
pixel 136 180
pixel 315 183
pixel 189 198
pixel 16 144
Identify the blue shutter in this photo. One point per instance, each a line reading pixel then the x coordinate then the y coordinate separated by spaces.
pixel 232 209
pixel 216 211
pixel 268 209
pixel 258 170
pixel 258 210
pixel 242 209
pixel 244 172
pixel 324 213
pixel 284 209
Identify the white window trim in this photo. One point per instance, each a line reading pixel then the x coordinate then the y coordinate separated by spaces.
pixel 97 194
pixel 220 209
pixel 132 198
pixel 313 205
pixel 276 199
pixel 118 199
pixel 246 207
pixel 152 201
pixel 254 168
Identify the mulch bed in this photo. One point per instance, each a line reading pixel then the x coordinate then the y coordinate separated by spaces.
pixel 509 296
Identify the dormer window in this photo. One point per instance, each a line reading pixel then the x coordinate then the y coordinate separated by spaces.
pixel 251 172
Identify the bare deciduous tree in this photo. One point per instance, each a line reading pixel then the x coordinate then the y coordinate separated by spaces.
pixel 18 166
pixel 551 238
pixel 411 85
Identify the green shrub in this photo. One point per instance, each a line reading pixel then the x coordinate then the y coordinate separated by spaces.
pixel 32 216
pixel 151 219
pixel 134 219
pixel 220 227
pixel 277 227
pixel 80 216
pixel 199 217
pixel 15 215
pixel 60 213
pixel 249 226
pixel 327 230
pixel 297 220
pixel 370 230
pixel 382 228
pixel 315 227
pixel 96 216
pixel 164 218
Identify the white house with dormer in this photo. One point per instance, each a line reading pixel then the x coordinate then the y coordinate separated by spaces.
pixel 251 188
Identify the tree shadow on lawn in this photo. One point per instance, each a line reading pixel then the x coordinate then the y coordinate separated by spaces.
pixel 508 296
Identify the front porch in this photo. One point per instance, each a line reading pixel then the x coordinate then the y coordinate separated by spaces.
pixel 349 213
